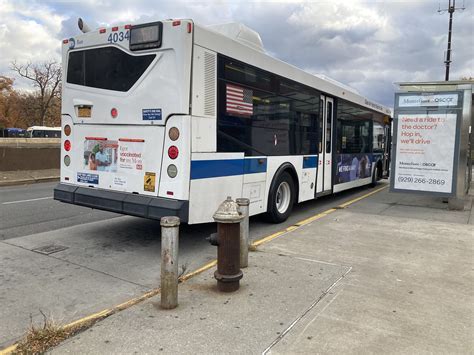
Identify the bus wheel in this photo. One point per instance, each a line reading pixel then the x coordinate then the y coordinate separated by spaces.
pixel 375 177
pixel 281 198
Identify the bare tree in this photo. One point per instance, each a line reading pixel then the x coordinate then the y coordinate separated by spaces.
pixel 46 77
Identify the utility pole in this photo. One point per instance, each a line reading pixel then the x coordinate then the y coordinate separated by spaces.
pixel 451 8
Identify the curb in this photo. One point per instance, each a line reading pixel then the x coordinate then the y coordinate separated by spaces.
pixel 28 181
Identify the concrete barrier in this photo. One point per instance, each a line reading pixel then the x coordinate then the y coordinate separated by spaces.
pixel 29 153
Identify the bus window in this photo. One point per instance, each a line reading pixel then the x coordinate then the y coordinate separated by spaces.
pixel 378 138
pixel 106 68
pixel 264 114
pixel 328 127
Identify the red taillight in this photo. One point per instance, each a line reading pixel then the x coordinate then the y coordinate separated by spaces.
pixel 65 41
pixel 114 112
pixel 173 152
pixel 114 28
pixel 102 30
pixel 127 27
pixel 67 145
pixel 176 23
pixel 190 27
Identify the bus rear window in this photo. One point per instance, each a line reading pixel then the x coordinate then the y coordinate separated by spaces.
pixel 106 68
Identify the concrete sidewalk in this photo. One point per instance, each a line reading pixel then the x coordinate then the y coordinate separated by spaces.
pixel 389 274
pixel 19 177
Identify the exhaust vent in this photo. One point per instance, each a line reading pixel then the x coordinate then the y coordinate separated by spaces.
pixel 209 84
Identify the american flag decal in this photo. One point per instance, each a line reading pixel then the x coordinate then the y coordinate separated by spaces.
pixel 239 100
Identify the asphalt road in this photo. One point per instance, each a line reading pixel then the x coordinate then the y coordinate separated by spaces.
pixel 29 209
pixel 101 260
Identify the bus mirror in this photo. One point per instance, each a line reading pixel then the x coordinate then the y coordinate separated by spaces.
pixel 83 26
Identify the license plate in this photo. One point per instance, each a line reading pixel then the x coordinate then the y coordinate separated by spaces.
pixel 84 111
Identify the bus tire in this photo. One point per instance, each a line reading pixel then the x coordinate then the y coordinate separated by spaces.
pixel 376 176
pixel 281 198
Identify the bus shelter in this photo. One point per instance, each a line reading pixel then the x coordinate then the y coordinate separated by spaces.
pixel 432 140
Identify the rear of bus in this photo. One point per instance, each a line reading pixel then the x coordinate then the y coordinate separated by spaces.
pixel 125 119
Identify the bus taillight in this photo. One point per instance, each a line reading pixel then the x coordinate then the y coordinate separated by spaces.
pixel 114 112
pixel 173 133
pixel 173 152
pixel 67 145
pixel 67 130
pixel 172 171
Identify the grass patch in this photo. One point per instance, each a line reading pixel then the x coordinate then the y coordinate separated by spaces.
pixel 41 338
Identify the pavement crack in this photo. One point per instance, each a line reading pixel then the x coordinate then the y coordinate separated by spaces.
pixel 314 304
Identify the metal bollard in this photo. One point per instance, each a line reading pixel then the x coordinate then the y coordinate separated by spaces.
pixel 169 261
pixel 228 273
pixel 244 231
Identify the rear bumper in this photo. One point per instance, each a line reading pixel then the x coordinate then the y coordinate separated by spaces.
pixel 125 203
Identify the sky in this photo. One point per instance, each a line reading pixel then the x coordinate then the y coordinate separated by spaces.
pixel 368 45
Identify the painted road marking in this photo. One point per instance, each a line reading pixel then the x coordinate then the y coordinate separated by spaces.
pixel 33 199
pixel 108 312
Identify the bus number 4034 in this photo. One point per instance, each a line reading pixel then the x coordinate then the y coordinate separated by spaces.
pixel 118 36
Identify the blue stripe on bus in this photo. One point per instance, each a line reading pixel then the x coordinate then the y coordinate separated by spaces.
pixel 255 165
pixel 310 162
pixel 204 169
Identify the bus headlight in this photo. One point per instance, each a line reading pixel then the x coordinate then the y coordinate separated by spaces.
pixel 172 171
pixel 67 160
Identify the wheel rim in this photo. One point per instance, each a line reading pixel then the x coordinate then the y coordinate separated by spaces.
pixel 283 197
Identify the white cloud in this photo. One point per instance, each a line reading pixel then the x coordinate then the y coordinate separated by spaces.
pixel 28 32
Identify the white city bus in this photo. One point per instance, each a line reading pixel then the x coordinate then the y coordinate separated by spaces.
pixel 43 132
pixel 170 118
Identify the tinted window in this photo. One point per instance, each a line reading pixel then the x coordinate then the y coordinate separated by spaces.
pixel 106 68
pixel 261 113
pixel 328 127
pixel 321 126
pixel 378 138
pixel 354 125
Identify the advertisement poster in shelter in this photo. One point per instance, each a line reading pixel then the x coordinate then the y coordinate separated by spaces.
pixel 425 151
pixel 352 167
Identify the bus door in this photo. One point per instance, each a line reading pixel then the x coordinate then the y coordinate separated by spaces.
pixel 324 178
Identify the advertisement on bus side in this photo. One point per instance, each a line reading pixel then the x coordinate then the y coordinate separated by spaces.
pixel 351 167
